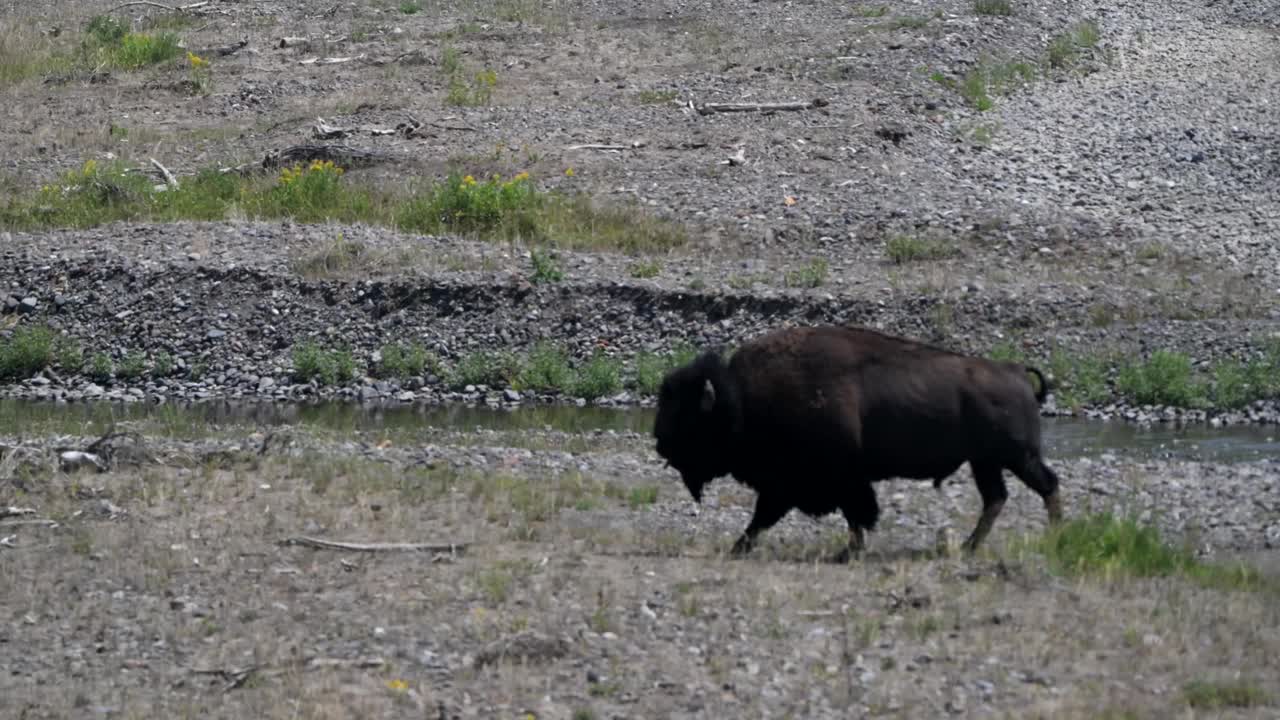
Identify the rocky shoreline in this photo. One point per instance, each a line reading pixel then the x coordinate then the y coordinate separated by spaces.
pixel 227 321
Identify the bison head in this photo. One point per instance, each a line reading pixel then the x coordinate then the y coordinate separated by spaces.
pixel 696 408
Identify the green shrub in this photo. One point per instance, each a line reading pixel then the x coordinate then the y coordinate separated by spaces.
pixel 134 365
pixel 26 352
pixel 325 367
pixel 491 369
pixel 101 367
pixel 601 376
pixel 1164 379
pixel 547 370
pixel 405 361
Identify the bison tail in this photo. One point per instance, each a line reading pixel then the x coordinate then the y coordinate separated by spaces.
pixel 1043 391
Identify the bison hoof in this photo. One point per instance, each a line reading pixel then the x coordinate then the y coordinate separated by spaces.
pixel 844 555
pixel 741 547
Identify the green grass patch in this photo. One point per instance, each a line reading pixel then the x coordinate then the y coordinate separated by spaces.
pixel 546 268
pixel 403 361
pixel 902 249
pixel 493 209
pixel 494 369
pixel 642 496
pixel 410 7
pixel 324 366
pixel 601 376
pixel 992 7
pixel 1078 380
pixel 1166 378
pixel 811 275
pixel 657 97
pixel 1065 48
pixel 1112 547
pixel 645 269
pixel 1206 695
pixel 547 369
pixel 132 366
pixel 26 352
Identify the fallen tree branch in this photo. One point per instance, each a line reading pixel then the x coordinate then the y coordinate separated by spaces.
pixel 597 146
pixel 319 544
pixel 36 522
pixel 236 677
pixel 168 176
pixel 330 60
pixel 710 108
pixel 162 6
pixel 11 511
pixel 324 131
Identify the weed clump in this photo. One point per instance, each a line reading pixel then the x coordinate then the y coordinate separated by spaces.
pixel 325 367
pixel 26 352
pixel 1114 547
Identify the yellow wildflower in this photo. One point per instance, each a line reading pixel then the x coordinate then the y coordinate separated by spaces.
pixel 521 176
pixel 195 60
pixel 568 172
pixel 398 685
pixel 468 180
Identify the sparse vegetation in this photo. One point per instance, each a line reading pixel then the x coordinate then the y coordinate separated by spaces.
pixel 403 360
pixel 545 267
pixel 902 249
pixel 325 367
pixel 26 352
pixel 812 275
pixel 657 97
pixel 133 365
pixel 511 209
pixel 601 376
pixel 1065 48
pixel 992 7
pixel 1112 547
pixel 644 269
pixel 547 369
pixel 1208 695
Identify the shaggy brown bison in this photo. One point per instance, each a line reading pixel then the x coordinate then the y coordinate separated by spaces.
pixel 810 417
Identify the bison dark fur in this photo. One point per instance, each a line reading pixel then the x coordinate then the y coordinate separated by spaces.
pixel 810 417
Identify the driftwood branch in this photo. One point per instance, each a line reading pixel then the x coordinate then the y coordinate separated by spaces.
pixel 330 60
pixel 169 179
pixel 162 6
pixel 319 544
pixel 11 511
pixel 236 677
pixel 710 108
pixel 324 131
pixel 597 146
pixel 35 522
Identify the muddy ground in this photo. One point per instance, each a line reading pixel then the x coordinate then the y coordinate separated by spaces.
pixel 588 588
pixel 1126 201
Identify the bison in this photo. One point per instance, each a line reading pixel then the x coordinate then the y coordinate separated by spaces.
pixel 810 417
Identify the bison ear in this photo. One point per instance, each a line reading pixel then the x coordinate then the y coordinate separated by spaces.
pixel 708 396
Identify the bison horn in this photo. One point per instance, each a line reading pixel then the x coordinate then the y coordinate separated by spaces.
pixel 708 396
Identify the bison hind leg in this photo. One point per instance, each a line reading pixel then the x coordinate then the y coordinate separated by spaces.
pixel 861 511
pixel 990 480
pixel 1041 478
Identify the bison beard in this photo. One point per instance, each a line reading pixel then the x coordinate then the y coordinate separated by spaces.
pixel 810 417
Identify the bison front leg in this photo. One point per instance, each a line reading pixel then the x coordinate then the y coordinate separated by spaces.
pixel 990 481
pixel 768 512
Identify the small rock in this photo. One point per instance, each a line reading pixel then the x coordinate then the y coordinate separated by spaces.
pixel 511 395
pixel 28 305
pixel 215 333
